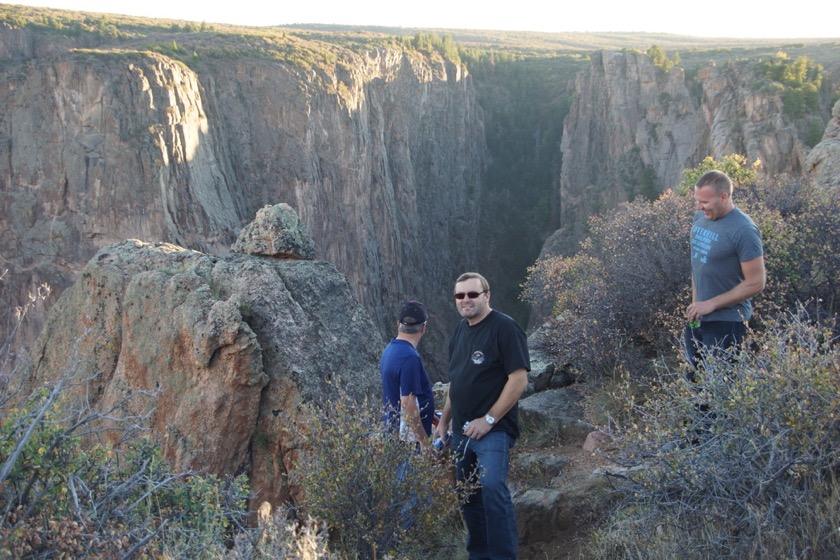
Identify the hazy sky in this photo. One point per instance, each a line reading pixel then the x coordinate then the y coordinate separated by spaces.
pixel 709 18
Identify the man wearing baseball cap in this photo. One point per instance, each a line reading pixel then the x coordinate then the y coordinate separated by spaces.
pixel 407 395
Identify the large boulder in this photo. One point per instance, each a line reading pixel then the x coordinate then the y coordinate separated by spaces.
pixel 229 348
pixel 276 232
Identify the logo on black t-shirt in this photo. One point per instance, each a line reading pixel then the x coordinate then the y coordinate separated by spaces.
pixel 478 357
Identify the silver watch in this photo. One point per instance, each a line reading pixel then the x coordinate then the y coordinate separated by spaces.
pixel 489 419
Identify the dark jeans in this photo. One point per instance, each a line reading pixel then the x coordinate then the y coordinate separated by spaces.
pixel 488 513
pixel 711 337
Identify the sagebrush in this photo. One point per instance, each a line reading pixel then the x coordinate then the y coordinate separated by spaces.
pixel 742 464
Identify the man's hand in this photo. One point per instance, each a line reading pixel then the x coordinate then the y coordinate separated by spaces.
pixel 697 309
pixel 477 429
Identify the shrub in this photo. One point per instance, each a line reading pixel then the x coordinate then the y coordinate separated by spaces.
pixel 618 304
pixel 280 535
pixel 61 493
pixel 617 301
pixel 64 494
pixel 799 80
pixel 743 464
pixel 800 227
pixel 348 473
pixel 734 165
pixel 660 59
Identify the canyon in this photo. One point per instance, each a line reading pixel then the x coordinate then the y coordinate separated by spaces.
pixel 154 174
pixel 396 159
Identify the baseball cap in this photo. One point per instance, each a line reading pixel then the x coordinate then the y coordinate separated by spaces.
pixel 413 313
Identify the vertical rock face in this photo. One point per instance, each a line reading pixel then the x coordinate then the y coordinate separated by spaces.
pixel 823 162
pixel 382 158
pixel 744 121
pixel 616 127
pixel 632 123
pixel 100 150
pixel 386 178
pixel 229 347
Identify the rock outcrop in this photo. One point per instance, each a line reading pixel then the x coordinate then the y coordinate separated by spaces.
pixel 276 232
pixel 823 162
pixel 229 346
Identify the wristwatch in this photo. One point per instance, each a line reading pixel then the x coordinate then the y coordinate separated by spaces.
pixel 489 419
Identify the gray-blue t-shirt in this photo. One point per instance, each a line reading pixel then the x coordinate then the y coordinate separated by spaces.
pixel 718 247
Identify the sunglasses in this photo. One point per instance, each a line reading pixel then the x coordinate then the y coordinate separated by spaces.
pixel 471 295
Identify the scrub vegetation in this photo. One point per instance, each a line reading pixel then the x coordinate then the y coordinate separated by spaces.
pixel 743 463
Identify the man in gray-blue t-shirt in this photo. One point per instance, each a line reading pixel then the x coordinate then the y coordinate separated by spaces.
pixel 727 269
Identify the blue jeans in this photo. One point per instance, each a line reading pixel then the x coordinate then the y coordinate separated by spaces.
pixel 488 512
pixel 714 336
pixel 413 500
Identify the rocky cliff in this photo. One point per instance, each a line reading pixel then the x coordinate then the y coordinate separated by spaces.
pixel 220 352
pixel 633 128
pixel 380 152
pixel 180 136
pixel 823 162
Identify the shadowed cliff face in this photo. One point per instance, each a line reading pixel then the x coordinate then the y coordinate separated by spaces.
pixel 382 159
pixel 823 162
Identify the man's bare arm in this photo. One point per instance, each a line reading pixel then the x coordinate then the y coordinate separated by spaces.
pixel 411 415
pixel 755 278
pixel 514 387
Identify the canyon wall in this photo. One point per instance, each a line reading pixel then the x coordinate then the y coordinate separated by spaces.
pixel 381 150
pixel 633 128
pixel 381 155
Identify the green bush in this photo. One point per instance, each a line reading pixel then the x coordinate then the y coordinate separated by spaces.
pixel 348 473
pixel 800 81
pixel 734 165
pixel 743 464
pixel 660 59
pixel 61 493
pixel 431 43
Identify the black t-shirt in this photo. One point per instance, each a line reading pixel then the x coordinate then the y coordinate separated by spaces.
pixel 480 359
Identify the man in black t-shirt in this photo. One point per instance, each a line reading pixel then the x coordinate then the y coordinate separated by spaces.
pixel 488 371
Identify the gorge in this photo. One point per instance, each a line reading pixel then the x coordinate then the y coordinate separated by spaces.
pixel 139 157
pixel 406 166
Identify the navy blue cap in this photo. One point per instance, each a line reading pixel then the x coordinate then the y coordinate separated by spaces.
pixel 413 313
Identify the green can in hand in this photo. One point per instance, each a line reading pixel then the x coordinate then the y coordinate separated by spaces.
pixel 694 324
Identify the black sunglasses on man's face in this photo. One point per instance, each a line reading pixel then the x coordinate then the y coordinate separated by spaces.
pixel 471 295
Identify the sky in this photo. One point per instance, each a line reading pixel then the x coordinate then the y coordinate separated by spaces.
pixel 706 18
